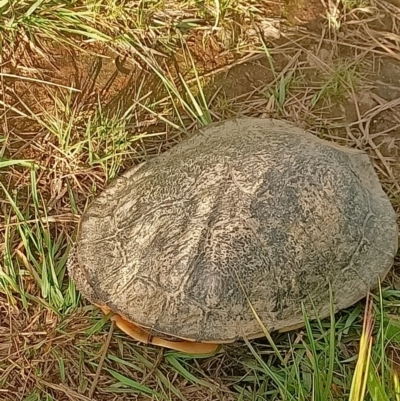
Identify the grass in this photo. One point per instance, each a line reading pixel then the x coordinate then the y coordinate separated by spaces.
pixel 354 4
pixel 337 83
pixel 71 122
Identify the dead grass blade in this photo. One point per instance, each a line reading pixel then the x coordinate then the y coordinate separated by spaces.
pixel 101 362
pixel 360 377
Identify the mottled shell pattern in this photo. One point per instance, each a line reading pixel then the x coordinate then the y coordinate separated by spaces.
pixel 248 215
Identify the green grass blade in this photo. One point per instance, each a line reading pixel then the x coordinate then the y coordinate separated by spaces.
pixel 174 362
pixel 126 381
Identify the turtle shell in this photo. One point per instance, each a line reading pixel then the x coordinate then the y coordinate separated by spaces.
pixel 246 220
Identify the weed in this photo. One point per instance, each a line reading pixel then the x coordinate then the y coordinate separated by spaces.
pixel 341 79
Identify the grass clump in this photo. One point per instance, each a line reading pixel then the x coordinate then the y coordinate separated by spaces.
pixel 338 82
pixel 36 21
pixel 37 264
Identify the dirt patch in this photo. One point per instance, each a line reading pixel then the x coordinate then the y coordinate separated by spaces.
pixel 242 79
pixel 387 80
pixel 100 72
pixel 207 52
pixel 302 11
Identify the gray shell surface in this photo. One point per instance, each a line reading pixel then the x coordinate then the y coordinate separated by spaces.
pixel 248 211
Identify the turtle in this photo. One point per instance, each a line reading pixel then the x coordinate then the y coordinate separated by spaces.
pixel 242 226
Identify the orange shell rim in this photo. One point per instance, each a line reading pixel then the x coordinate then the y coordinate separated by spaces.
pixel 141 335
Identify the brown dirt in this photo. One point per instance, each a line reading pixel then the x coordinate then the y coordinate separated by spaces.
pixel 102 72
pixel 301 11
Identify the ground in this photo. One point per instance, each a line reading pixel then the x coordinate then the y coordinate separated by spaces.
pixel 89 88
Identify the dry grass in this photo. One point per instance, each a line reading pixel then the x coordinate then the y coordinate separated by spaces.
pixel 88 91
